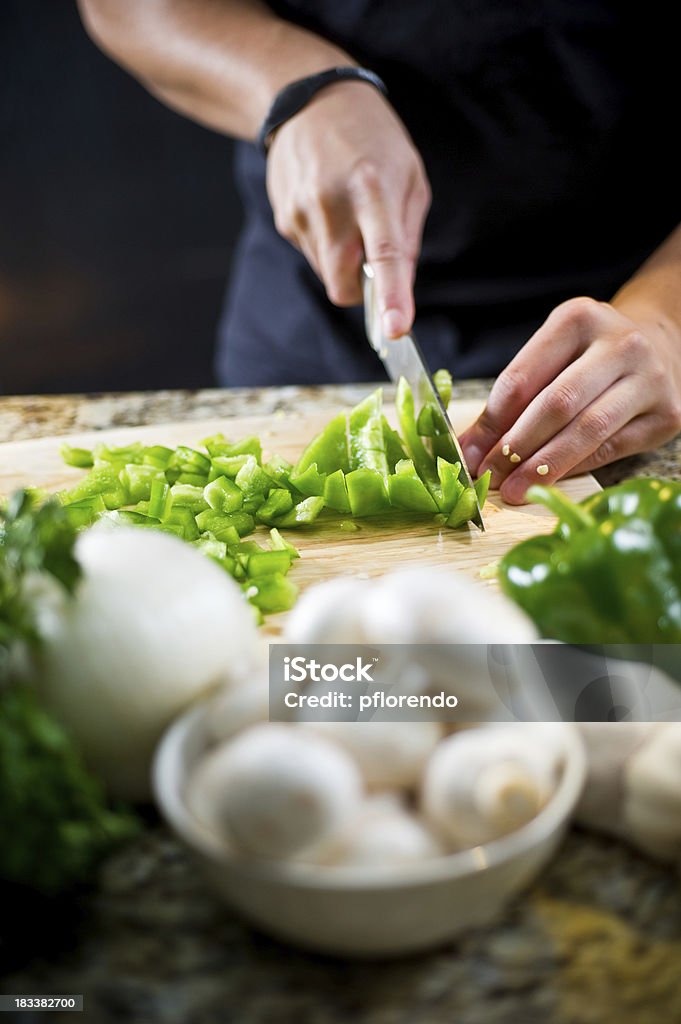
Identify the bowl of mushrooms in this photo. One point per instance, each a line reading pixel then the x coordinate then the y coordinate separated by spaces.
pixel 365 838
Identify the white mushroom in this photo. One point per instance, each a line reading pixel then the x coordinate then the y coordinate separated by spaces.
pixel 236 709
pixel 651 806
pixel 483 783
pixel 389 753
pixel 444 622
pixel 275 791
pixel 441 606
pixel 385 835
pixel 329 612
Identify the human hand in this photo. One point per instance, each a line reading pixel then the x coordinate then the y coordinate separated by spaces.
pixel 346 184
pixel 592 385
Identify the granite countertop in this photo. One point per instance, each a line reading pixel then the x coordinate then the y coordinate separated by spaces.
pixel 596 939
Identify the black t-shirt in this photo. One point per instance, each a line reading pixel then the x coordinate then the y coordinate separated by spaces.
pixel 547 131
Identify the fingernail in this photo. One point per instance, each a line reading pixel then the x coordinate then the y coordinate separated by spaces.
pixel 393 323
pixel 514 492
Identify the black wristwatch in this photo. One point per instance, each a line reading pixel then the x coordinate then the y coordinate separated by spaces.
pixel 295 96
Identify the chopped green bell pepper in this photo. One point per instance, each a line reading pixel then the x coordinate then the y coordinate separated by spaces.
pixel 407 490
pixel 310 482
pixel 336 492
pixel 223 495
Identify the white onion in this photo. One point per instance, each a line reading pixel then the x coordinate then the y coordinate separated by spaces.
pixel 154 624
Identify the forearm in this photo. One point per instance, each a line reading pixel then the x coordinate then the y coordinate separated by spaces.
pixel 653 293
pixel 219 62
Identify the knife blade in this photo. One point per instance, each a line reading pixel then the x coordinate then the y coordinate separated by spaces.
pixel 402 357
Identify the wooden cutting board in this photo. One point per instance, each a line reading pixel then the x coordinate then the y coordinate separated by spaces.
pixel 375 548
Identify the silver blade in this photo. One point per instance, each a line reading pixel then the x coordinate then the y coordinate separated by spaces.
pixel 402 357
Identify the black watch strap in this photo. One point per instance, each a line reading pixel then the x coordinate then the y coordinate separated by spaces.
pixel 295 96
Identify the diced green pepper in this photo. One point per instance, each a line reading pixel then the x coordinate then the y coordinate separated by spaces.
pixel 127 517
pixel 279 471
pixel 183 518
pixel 218 523
pixel 252 479
pixel 117 456
pixel 482 486
pixel 279 543
pixel 420 456
pixel 407 490
pixel 81 458
pixel 157 455
pixel 366 437
pixel 367 492
pixel 193 479
pixel 272 593
pixel 188 496
pixel 227 465
pixel 216 444
pixel 336 492
pixel 188 460
pixel 464 508
pixel 263 563
pixel 100 480
pixel 442 379
pixel 137 480
pixel 277 503
pixel 305 512
pixel 85 512
pixel 160 499
pixel 210 545
pixel 310 482
pixel 223 495
pixel 329 450
pixel 394 449
pixel 451 487
pixel 424 422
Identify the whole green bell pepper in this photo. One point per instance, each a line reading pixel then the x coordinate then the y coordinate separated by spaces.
pixel 610 572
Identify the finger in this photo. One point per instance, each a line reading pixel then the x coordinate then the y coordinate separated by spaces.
pixel 392 255
pixel 416 208
pixel 339 251
pixel 640 434
pixel 296 229
pixel 554 409
pixel 585 435
pixel 560 340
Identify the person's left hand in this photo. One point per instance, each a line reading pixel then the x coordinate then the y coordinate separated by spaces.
pixel 590 386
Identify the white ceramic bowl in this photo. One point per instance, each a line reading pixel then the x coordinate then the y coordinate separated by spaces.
pixel 359 911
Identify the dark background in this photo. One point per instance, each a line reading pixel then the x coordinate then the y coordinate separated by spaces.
pixel 117 219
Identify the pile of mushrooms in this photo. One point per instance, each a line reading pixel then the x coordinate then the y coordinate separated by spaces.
pixel 374 793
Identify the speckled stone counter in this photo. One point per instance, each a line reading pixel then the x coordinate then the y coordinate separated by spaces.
pixel 38 415
pixel 596 940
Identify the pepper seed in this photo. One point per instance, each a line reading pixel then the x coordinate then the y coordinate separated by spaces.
pixel 515 457
pixel 506 450
pixel 543 469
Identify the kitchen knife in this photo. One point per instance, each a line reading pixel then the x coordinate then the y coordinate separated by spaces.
pixel 402 357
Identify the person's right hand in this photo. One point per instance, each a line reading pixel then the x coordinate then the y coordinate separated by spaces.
pixel 346 184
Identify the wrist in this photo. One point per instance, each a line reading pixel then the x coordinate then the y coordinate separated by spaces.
pixel 650 317
pixel 297 95
pixel 290 54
